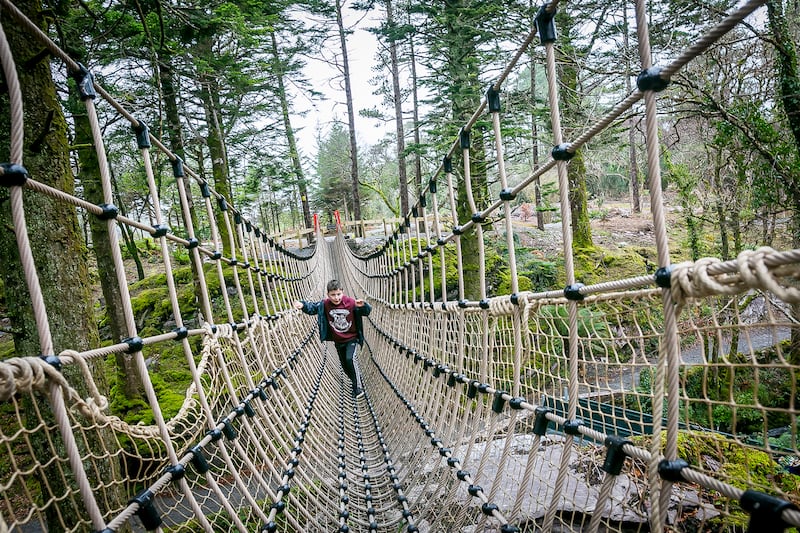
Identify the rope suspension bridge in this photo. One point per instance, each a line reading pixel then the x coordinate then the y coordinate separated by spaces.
pixel 509 413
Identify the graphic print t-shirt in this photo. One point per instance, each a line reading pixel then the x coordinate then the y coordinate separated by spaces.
pixel 341 320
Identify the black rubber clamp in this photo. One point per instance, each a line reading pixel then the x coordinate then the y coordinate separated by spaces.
pixel 181 333
pixel 573 427
pixel 545 25
pixel 447 164
pixel 135 344
pixel 493 99
pixel 672 470
pixel 765 511
pixel 663 277
pixel 458 230
pixel 199 461
pixel 573 292
pixel 650 80
pixel 228 430
pixel 615 455
pixel 561 152
pixel 464 139
pixel 478 218
pixel 432 186
pixel 489 508
pixel 108 211
pixel 159 230
pixel 205 191
pixel 542 422
pixel 177 471
pixel 52 360
pixel 498 402
pixel 85 81
pixel 507 195
pixel 147 511
pixel 516 402
pixel 177 168
pixel 142 133
pixel 215 434
pixel 13 175
pixel 193 243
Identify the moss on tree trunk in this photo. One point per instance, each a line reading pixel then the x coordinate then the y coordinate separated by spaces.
pixel 56 242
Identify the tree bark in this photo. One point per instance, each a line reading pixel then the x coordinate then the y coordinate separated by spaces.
pixel 126 373
pixel 59 253
pixel 571 106
pixel 294 155
pixel 351 119
pixel 402 174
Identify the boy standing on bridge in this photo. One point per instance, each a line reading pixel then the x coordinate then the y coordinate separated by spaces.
pixel 340 321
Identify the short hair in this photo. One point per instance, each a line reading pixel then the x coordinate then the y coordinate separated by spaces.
pixel 334 285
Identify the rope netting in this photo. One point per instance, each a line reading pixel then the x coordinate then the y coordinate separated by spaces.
pixel 567 410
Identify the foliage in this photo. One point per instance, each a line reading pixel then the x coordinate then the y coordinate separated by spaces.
pixel 755 398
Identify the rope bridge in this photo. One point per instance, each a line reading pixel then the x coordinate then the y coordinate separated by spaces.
pixel 566 410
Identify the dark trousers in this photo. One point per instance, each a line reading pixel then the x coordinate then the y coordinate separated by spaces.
pixel 347 355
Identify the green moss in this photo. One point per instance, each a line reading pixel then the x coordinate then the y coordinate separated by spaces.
pixel 600 265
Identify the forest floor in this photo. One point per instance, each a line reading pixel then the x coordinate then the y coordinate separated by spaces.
pixel 614 226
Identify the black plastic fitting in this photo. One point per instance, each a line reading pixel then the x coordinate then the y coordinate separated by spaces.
pixel 663 277
pixel 447 164
pixel 765 511
pixel 615 455
pixel 573 427
pixel 542 422
pixel 142 133
pixel 498 402
pixel 85 82
pixel 199 461
pixel 177 471
pixel 650 80
pixel 52 360
pixel 672 470
pixel 464 139
pixel 135 344
pixel 177 168
pixel 13 175
pixel 545 25
pixel 507 195
pixel 147 511
pixel 561 152
pixel 159 230
pixel 108 211
pixel 572 292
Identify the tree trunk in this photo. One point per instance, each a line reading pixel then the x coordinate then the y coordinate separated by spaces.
pixel 351 118
pixel 294 155
pixel 465 95
pixel 633 166
pixel 398 110
pixel 415 93
pixel 537 184
pixel 58 251
pixel 571 108
pixel 789 92
pixel 126 373
pixel 215 140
